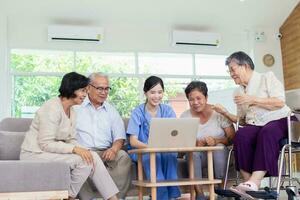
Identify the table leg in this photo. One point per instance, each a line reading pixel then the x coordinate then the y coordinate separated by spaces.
pixel 210 167
pixel 153 174
pixel 191 173
pixel 140 174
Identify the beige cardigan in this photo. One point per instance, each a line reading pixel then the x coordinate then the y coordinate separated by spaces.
pixel 51 130
pixel 264 86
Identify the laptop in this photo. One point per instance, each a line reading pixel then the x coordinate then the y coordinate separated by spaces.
pixel 173 132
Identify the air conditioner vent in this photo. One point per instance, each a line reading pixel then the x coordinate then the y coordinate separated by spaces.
pixel 195 38
pixel 75 33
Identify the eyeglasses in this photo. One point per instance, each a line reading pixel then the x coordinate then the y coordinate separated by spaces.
pixel 233 69
pixel 101 89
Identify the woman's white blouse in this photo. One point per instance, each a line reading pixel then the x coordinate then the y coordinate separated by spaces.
pixel 263 86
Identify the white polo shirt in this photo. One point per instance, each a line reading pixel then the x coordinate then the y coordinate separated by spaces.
pixel 98 127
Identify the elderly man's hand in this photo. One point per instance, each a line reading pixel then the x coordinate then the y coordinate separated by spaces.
pixel 109 154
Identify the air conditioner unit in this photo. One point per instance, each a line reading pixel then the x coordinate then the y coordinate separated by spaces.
pixel 75 33
pixel 195 38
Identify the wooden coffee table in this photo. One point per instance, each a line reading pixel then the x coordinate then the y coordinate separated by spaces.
pixel 191 181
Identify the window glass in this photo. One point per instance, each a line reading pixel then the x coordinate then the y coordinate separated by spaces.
pixel 124 94
pixel 211 65
pixel 41 61
pixel 218 84
pixel 31 92
pixel 163 63
pixel 36 76
pixel 174 94
pixel 88 62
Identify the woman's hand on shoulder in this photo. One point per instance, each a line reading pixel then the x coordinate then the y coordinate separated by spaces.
pixel 85 154
pixel 219 109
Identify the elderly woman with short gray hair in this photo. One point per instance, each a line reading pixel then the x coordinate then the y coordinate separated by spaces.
pixel 260 101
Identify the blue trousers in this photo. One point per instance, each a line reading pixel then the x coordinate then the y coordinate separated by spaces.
pixel 166 169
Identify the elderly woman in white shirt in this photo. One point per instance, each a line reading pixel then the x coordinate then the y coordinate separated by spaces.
pixel 214 130
pixel 261 106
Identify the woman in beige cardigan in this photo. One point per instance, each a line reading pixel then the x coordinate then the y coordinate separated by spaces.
pixel 51 137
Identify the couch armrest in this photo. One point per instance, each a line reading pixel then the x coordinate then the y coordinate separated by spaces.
pixel 30 176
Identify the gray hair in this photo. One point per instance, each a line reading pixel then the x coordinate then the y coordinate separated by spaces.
pixel 240 58
pixel 93 75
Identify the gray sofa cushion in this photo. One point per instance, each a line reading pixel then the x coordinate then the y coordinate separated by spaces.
pixel 15 124
pixel 10 145
pixel 27 176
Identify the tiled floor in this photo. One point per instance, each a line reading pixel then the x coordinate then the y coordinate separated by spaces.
pixel 283 196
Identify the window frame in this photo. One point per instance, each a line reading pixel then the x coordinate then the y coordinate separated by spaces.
pixel 140 76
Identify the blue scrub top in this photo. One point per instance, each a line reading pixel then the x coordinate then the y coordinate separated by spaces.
pixel 139 122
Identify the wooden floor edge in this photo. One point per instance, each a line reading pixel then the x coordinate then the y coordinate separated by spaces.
pixel 177 183
pixel 61 194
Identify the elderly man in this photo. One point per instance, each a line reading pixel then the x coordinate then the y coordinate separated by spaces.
pixel 101 129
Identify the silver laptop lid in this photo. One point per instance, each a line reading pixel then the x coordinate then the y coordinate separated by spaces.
pixel 173 132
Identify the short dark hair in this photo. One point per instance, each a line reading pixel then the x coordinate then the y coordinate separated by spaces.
pixel 70 83
pixel 196 85
pixel 240 58
pixel 151 82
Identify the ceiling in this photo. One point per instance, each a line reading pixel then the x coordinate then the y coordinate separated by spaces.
pixel 197 14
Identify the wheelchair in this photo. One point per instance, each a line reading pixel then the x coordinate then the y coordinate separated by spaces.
pixel 289 145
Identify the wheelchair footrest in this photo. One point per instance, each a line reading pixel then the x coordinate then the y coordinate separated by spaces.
pixel 226 193
pixel 262 194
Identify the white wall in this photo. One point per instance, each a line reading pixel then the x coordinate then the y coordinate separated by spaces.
pixel 270 46
pixel 31 32
pixel 4 79
pixel 20 30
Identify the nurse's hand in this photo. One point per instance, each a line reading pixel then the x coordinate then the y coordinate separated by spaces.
pixel 134 142
pixel 85 154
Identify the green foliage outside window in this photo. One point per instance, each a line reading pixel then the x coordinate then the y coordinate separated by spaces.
pixel 42 72
pixel 33 91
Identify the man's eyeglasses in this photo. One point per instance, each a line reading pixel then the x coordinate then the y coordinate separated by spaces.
pixel 101 89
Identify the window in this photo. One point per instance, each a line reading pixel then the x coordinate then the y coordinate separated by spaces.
pixel 36 76
pixel 124 94
pixel 211 65
pixel 41 61
pixel 173 64
pixel 88 62
pixel 30 92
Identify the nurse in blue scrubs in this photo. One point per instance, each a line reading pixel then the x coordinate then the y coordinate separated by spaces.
pixel 138 132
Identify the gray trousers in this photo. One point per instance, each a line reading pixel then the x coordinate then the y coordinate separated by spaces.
pixel 119 170
pixel 80 171
pixel 219 158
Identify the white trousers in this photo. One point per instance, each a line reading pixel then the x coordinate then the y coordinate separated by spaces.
pixel 80 171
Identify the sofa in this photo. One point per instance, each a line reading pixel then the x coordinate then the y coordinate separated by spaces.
pixel 27 176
